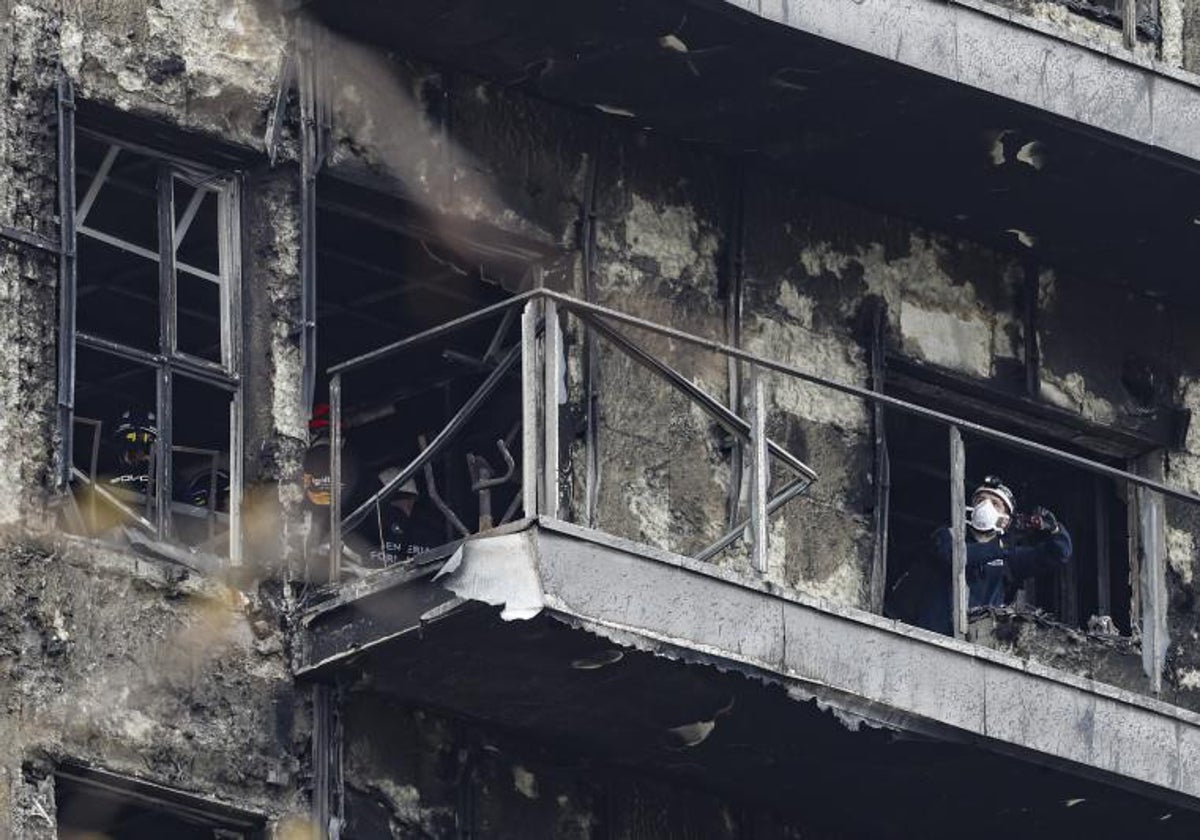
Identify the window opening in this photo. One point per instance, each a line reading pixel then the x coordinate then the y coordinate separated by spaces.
pixel 94 804
pixel 1094 583
pixel 157 399
pixel 383 279
pixel 1112 13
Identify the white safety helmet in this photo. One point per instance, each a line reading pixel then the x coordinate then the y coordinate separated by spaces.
pixel 408 488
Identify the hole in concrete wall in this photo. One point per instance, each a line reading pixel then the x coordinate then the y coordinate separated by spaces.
pixel 94 804
pixel 1092 509
pixel 384 275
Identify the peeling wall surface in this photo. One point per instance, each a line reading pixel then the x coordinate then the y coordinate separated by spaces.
pixel 145 669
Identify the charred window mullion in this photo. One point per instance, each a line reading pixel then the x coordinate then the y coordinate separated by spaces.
pixel 156 223
pixel 167 290
pixel 66 280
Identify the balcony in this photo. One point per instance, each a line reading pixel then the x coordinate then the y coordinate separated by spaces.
pixel 538 623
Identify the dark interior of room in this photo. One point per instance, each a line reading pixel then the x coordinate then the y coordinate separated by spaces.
pixel 382 278
pixel 92 805
pixel 919 503
pixel 118 301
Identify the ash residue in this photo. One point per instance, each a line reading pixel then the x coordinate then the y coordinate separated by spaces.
pixel 1098 653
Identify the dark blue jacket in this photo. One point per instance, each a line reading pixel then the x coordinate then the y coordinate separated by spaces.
pixel 994 570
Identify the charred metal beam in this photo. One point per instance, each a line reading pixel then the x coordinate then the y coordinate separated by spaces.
pixel 1030 292
pixel 530 443
pixel 167 347
pixel 760 471
pixel 1103 555
pixel 323 755
pixel 287 80
pixel 786 493
pixel 33 240
pixel 98 180
pixel 335 478
pixel 67 279
pixel 553 372
pixel 734 302
pixel 309 167
pixel 958 533
pixel 591 362
pixel 1152 578
pixel 883 464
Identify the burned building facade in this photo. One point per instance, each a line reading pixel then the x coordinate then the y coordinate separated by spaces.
pixel 646 345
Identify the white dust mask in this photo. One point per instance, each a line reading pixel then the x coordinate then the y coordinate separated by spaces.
pixel 985 518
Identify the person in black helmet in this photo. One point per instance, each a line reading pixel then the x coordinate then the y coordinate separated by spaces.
pixel 199 485
pixel 133 441
pixel 1004 549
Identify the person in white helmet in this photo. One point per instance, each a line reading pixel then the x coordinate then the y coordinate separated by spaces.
pixel 402 528
pixel 1004 549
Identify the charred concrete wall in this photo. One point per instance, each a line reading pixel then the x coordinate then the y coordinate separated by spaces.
pixel 120 663
pixel 111 661
pixel 28 48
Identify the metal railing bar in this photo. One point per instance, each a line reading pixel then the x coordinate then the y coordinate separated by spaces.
pixel 129 512
pixel 958 533
pixel 439 502
pixel 575 305
pixel 760 468
pixel 786 493
pixel 513 506
pixel 335 478
pixel 552 371
pixel 431 333
pixel 579 307
pixel 440 440
pixel 727 418
pixel 530 415
pixel 497 341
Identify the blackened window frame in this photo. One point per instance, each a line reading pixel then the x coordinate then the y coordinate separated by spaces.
pixel 169 361
pixel 939 388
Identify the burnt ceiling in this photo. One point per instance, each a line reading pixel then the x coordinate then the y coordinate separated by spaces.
pixel 733 734
pixel 852 125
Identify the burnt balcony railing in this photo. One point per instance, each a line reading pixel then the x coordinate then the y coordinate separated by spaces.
pixel 539 354
pixel 540 357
